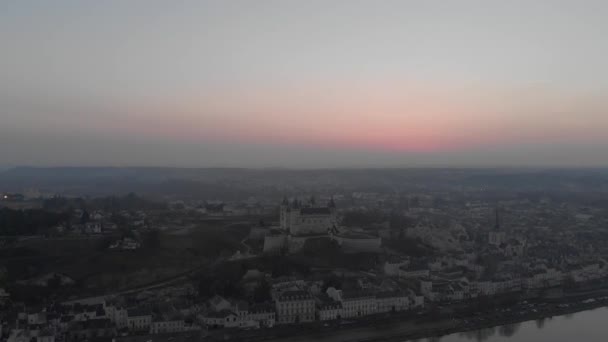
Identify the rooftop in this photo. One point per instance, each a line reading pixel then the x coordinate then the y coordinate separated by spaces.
pixel 295 295
pixel 315 211
pixel 138 312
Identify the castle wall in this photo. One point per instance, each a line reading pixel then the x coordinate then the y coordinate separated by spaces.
pixel 312 225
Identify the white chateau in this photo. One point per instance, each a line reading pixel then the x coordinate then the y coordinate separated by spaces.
pixel 299 222
pixel 298 219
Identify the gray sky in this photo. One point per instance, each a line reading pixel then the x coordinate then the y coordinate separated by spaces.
pixel 304 83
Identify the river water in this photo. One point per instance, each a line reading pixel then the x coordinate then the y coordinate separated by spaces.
pixel 586 326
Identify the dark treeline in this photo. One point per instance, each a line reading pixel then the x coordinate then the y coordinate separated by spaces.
pixel 130 202
pixel 29 222
pixel 59 210
pixel 363 218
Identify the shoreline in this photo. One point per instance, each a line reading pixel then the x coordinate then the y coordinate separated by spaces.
pixel 410 326
pixel 489 325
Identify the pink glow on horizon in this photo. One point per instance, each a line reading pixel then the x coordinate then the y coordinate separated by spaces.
pixel 420 121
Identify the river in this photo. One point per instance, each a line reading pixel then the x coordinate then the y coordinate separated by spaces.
pixel 585 326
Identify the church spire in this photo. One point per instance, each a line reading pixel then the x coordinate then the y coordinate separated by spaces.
pixel 331 203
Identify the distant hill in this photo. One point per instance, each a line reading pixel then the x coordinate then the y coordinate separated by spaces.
pixel 226 183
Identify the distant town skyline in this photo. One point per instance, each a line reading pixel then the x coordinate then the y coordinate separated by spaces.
pixel 304 83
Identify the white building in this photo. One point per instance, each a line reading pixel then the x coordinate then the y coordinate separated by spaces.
pixel 328 310
pixel 93 227
pixel 161 325
pixel 221 319
pixel 300 219
pixel 298 223
pixel 295 307
pixel 139 320
pixel 117 315
pixel 354 303
pixel 265 315
pixel 218 303
pixel 391 266
pixel 392 302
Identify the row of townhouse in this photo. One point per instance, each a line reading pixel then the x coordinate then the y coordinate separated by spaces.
pixel 328 309
pixel 443 290
pixel 77 321
pixel 31 335
pixel 541 278
pixel 587 272
pixel 354 304
pixel 299 306
pixel 229 319
pixel 143 321
pixel 439 290
pixel 224 314
pixel 537 278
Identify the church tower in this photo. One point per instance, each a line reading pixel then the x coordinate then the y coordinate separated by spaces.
pixel 496 236
pixel 284 214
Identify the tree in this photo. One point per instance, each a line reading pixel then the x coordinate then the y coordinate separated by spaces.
pixel 126 233
pixel 28 222
pixel 152 239
pixel 332 281
pixel 397 221
pixel 85 217
pixel 362 217
pixel 54 283
pixel 3 277
pixel 262 292
pixel 569 283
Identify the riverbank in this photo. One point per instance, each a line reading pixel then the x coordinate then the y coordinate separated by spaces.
pixel 399 328
pixel 464 325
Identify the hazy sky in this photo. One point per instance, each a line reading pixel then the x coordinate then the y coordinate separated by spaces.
pixel 304 83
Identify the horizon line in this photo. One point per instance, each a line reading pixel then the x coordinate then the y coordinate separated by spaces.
pixel 290 168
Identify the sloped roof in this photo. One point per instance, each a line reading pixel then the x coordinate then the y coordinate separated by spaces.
pixel 315 211
pixel 295 295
